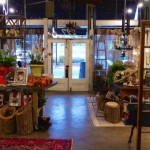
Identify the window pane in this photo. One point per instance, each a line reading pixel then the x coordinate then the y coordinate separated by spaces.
pixel 78 60
pixel 58 50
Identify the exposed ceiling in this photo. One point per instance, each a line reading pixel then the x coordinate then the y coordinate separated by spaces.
pixel 73 9
pixel 76 9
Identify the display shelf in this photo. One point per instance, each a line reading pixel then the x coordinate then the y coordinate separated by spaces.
pixel 35 90
pixel 100 65
pixel 12 27
pixel 143 60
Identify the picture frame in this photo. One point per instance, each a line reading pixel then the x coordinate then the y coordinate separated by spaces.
pixel 21 76
pixel 26 99
pixel 15 99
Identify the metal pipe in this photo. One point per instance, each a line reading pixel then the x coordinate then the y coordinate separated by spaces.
pixel 25 9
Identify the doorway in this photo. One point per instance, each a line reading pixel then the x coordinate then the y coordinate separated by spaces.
pixel 69 64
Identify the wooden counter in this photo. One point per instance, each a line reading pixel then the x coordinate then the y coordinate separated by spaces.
pixel 133 90
pixel 35 90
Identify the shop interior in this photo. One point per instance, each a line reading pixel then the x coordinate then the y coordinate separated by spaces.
pixel 55 49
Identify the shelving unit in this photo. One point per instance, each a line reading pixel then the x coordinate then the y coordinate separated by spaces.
pixel 101 57
pixel 100 63
pixel 144 45
pixel 12 28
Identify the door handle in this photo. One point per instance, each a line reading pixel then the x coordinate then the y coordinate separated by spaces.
pixel 66 71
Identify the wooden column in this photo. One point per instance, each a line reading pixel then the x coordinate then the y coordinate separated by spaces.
pixel 35 108
pixel 144 24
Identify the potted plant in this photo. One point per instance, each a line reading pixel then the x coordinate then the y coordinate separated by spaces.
pixel 7 61
pixel 116 66
pixel 37 57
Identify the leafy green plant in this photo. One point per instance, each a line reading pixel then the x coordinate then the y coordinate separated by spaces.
pixel 116 66
pixel 6 59
pixel 99 82
pixel 41 101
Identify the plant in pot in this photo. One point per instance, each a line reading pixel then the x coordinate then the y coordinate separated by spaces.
pixel 116 66
pixel 37 57
pixel 7 62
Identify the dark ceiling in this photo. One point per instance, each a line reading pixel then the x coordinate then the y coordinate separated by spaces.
pixel 73 9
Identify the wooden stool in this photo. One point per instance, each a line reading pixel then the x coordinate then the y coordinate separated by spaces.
pixel 112 112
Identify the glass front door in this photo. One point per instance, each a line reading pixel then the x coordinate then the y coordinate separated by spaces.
pixel 69 64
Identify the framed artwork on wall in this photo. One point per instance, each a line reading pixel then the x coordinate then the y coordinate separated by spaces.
pixel 21 76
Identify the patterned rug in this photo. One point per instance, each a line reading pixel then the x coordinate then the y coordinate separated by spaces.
pixel 35 144
pixel 99 120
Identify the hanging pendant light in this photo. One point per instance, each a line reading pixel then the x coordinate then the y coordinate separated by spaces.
pixel 124 41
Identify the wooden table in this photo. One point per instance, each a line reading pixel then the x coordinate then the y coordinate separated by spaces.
pixel 133 90
pixel 35 90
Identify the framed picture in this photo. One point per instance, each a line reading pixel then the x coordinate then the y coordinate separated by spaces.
pixel 21 76
pixel 15 99
pixel 26 99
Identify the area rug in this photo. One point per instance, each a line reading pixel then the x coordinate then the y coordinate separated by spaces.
pixel 35 144
pixel 99 120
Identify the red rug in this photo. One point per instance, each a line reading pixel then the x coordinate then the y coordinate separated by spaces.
pixel 35 144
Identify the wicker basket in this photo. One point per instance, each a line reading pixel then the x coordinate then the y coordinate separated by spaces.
pixel 24 120
pixel 7 120
pixel 100 100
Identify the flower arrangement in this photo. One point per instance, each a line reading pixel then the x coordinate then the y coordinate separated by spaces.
pixel 37 55
pixel 7 63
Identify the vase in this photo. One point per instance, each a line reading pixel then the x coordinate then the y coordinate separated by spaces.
pixel 36 70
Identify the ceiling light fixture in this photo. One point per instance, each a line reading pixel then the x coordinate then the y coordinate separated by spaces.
pixel 140 4
pixel 124 42
pixel 129 10
pixel 11 10
pixel 5 6
pixel 2 1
